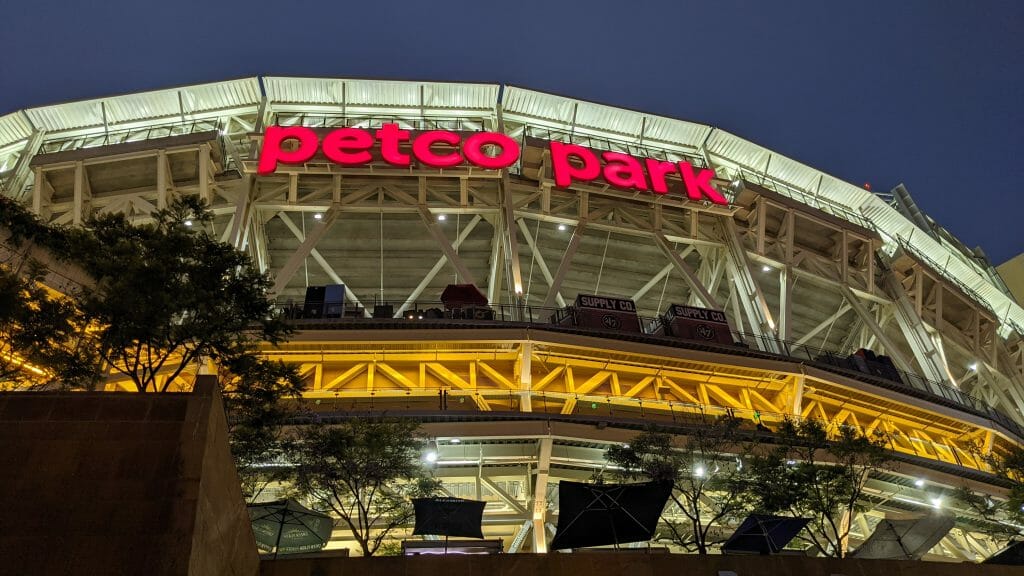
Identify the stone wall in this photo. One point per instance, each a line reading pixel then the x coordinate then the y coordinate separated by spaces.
pixel 120 483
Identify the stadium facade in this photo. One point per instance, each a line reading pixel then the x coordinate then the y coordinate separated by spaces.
pixel 629 269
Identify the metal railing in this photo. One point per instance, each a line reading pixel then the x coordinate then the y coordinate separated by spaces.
pixel 879 372
pixel 126 135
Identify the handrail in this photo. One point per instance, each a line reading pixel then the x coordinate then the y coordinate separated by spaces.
pixel 836 361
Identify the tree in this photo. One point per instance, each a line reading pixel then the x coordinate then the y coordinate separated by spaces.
pixel 41 344
pixel 706 470
pixel 366 471
pixel 811 475
pixel 256 393
pixel 1005 516
pixel 168 295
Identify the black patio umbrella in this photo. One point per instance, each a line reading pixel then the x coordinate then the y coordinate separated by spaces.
pixel 763 534
pixel 449 517
pixel 601 514
pixel 287 527
pixel 1012 555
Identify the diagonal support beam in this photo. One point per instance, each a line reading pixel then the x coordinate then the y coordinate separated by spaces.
pixel 323 263
pixel 437 268
pixel 502 495
pixel 284 275
pixel 747 289
pixel 688 274
pixel 928 356
pixel 544 270
pixel 869 320
pixel 563 268
pixel 660 275
pixel 435 230
pixel 843 309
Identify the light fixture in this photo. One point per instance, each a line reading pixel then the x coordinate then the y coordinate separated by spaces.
pixel 561 227
pixel 698 471
pixel 766 268
pixel 919 483
pixel 790 462
pixel 937 502
pixel 431 453
pixel 442 217
pixel 972 366
pixel 188 222
pixel 317 216
pixel 455 441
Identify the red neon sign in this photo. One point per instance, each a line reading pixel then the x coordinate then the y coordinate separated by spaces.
pixel 572 163
pixel 352 147
pixel 445 149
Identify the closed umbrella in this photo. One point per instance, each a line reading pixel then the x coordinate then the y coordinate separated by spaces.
pixel 287 527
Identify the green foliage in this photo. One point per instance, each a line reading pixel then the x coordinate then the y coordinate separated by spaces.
pixel 809 474
pixel 43 330
pixel 256 394
pixel 36 326
pixel 168 295
pixel 709 479
pixel 366 471
pixel 1005 516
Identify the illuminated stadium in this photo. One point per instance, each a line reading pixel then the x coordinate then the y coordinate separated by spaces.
pixel 539 277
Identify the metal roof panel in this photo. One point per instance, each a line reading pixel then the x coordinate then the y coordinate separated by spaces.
pixel 14 127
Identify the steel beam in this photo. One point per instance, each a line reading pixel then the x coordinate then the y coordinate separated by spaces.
pixel 844 307
pixel 748 290
pixel 540 495
pixel 869 320
pixel 544 270
pixel 563 266
pixel 446 247
pixel 284 275
pixel 323 263
pixel 928 357
pixel 437 268
pixel 660 275
pixel 19 177
pixel 688 274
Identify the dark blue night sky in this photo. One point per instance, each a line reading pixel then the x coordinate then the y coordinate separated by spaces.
pixel 926 92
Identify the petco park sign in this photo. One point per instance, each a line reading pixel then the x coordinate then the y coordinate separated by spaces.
pixel 296 145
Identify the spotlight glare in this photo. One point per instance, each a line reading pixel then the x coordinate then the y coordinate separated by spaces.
pixel 442 217
pixel 972 366
pixel 937 502
pixel 317 216
pixel 188 222
pixel 919 483
pixel 430 456
pixel 698 471
pixel 766 268
pixel 561 227
pixel 455 441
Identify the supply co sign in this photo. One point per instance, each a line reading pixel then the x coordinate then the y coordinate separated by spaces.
pixel 489 150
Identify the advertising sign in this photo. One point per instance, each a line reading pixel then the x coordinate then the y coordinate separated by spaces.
pixel 694 323
pixel 604 313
